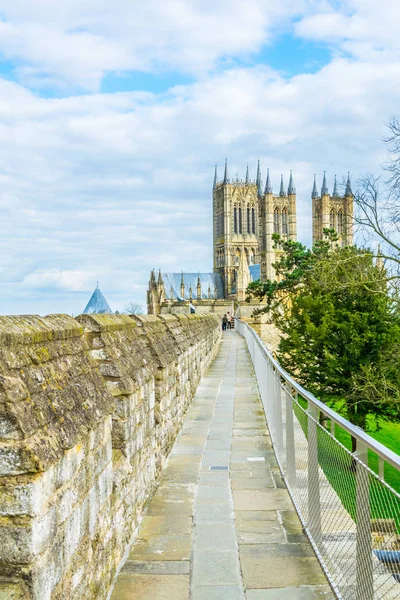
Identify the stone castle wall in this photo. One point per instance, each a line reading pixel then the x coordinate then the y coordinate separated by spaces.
pixel 89 410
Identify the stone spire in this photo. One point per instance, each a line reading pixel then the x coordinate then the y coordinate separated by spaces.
pixel 160 287
pixel 379 260
pixel 247 174
pixel 335 193
pixel 260 188
pixel 243 278
pixel 324 189
pixel 258 178
pixel 291 189
pixel 182 287
pixel 282 190
pixel 152 279
pixel 314 193
pixel 198 287
pixel 226 177
pixel 268 186
pixel 348 191
pixel 215 292
pixel 209 291
pixel 215 178
pixel 190 293
pixel 171 294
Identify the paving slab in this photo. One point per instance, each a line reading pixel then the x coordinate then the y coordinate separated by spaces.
pixel 154 526
pixel 261 500
pixel 216 568
pixel 171 567
pixel 279 566
pixel 162 547
pixel 217 592
pixel 252 483
pixel 220 536
pixel 320 592
pixel 152 587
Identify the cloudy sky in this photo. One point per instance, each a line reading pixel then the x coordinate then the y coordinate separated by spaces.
pixel 112 115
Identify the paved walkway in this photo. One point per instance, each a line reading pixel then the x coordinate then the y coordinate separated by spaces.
pixel 221 526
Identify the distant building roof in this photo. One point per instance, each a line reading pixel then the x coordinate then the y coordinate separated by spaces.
pixel 97 304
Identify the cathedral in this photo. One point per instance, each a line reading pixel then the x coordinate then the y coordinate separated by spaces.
pixel 246 214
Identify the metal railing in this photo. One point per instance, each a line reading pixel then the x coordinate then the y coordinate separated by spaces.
pixel 349 513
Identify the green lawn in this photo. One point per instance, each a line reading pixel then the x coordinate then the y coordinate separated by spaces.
pixel 337 466
pixel 389 436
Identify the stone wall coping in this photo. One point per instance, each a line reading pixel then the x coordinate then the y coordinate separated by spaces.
pixel 32 329
pixel 106 322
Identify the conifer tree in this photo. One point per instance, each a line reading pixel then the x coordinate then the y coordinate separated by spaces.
pixel 340 327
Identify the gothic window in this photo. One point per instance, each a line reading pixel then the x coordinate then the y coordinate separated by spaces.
pixel 332 219
pixel 253 220
pixel 276 220
pixel 237 258
pixel 284 222
pixel 219 224
pixel 248 220
pixel 240 220
pixel 340 222
pixel 235 221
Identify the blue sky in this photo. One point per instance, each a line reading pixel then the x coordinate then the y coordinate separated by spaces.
pixel 112 116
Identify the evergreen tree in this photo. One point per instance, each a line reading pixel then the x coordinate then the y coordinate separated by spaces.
pixel 340 327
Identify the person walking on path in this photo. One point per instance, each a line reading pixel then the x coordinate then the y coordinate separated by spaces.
pixel 224 322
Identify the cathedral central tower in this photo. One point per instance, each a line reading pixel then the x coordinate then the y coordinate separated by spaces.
pixel 245 215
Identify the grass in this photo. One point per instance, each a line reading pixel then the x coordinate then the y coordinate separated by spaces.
pixel 389 436
pixel 339 470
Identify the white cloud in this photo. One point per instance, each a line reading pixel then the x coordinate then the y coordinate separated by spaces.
pixel 365 29
pixel 73 281
pixel 77 43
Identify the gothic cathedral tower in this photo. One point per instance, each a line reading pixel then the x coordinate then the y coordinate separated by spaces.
pixel 244 218
pixel 333 212
pixel 278 215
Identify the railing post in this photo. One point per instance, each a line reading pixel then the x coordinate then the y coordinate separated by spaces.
pixel 290 447
pixel 269 395
pixel 278 416
pixel 365 579
pixel 314 499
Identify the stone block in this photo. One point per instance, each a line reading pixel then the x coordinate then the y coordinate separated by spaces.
pixel 18 499
pixel 13 591
pixel 12 389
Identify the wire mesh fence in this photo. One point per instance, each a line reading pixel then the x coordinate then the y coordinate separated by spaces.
pixel 349 513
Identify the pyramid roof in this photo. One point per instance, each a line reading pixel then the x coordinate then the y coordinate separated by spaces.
pixel 97 304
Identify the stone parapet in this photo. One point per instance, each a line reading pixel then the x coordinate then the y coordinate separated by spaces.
pixel 89 410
